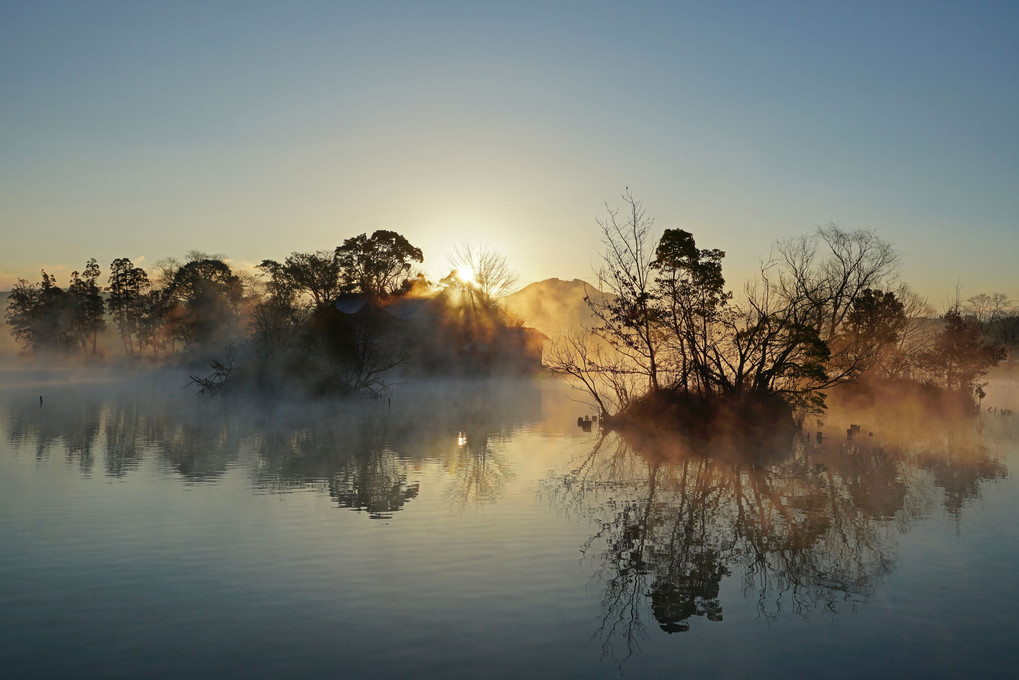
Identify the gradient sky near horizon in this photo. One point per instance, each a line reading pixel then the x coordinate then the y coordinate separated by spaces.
pixel 256 129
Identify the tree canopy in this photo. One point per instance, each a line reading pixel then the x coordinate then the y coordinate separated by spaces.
pixel 44 316
pixel 377 265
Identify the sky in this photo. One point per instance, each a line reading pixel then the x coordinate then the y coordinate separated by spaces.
pixel 252 130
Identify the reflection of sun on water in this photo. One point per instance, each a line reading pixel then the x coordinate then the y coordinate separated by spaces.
pixel 461 439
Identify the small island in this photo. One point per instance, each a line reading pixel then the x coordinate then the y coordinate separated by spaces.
pixel 673 351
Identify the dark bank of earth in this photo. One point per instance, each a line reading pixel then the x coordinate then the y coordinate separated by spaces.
pixel 664 420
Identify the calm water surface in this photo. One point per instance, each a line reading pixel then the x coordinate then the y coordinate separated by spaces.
pixel 473 530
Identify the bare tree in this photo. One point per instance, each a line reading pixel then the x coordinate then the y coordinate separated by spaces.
pixel 820 280
pixel 822 275
pixel 627 311
pixel 581 358
pixel 996 316
pixel 165 270
pixel 372 354
pixel 987 309
pixel 486 272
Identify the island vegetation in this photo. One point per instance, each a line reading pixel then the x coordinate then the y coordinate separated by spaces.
pixel 674 348
pixel 669 345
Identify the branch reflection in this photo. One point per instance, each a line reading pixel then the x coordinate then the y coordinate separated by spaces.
pixel 811 528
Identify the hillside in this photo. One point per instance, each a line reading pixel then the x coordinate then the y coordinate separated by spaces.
pixel 553 306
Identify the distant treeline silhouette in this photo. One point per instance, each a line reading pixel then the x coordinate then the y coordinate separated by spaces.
pixel 329 321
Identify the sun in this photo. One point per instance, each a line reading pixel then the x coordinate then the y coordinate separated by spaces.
pixel 467 276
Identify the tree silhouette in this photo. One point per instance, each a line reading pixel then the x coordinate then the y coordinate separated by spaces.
pixel 628 315
pixel 960 355
pixel 485 274
pixel 692 295
pixel 44 316
pixel 202 303
pixel 316 275
pixel 126 302
pixel 378 265
pixel 88 305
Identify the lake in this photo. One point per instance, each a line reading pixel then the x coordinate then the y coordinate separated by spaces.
pixel 472 529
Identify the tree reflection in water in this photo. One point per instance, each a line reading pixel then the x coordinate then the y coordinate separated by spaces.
pixel 806 529
pixel 75 430
pixel 346 451
pixel 375 483
pixel 367 453
pixel 477 468
pixel 810 528
pixel 363 454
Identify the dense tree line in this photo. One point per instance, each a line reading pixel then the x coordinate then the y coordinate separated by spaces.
pixel 46 315
pixel 319 317
pixel 194 308
pixel 826 309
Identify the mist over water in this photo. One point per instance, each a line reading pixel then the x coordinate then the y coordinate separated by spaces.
pixel 290 387
pixel 469 528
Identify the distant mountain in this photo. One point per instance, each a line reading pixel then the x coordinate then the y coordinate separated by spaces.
pixel 553 306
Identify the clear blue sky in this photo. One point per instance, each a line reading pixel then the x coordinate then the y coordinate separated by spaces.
pixel 255 129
